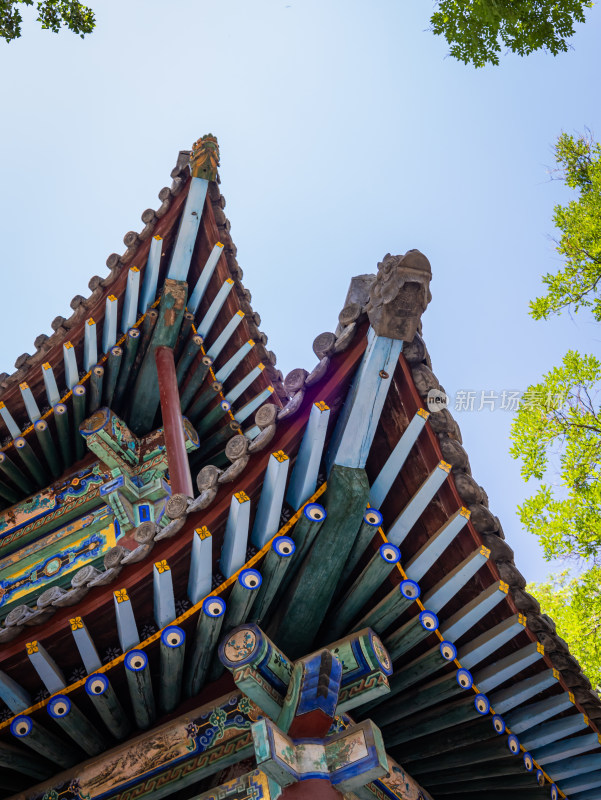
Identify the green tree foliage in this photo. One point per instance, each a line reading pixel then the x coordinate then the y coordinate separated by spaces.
pixel 557 430
pixel 476 30
pixel 575 606
pixel 53 14
pixel 576 285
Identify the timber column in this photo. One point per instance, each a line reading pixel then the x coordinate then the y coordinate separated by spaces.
pixel 177 457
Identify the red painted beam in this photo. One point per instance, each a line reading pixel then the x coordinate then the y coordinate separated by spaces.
pixel 177 457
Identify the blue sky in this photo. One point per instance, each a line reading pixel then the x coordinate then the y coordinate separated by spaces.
pixel 346 132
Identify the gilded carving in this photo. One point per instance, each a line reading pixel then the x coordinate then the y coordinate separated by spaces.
pixel 205 158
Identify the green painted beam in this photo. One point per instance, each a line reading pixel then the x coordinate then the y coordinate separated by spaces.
pixel 48 447
pixel 96 381
pixel 309 596
pixel 132 343
pixel 196 375
pixel 204 644
pixel 113 365
pixel 145 395
pixel 107 705
pixel 79 414
pixel 31 462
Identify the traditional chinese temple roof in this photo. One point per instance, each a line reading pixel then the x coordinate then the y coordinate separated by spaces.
pixel 327 504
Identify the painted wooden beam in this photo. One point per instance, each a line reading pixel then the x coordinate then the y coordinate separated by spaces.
pixel 314 586
pixel 359 592
pixel 303 480
pixel 85 645
pixel 475 754
pixel 492 640
pixel 384 613
pixel 372 520
pixel 580 765
pixel 205 276
pixel 235 392
pixel 431 551
pixel 90 345
pixel 394 463
pixel 303 534
pixel 521 719
pixel 235 540
pixel 79 415
pixel 185 332
pixel 127 629
pixel 421 668
pixel 593 794
pixel 505 668
pixel 220 342
pixel 206 323
pixel 404 639
pixel 207 422
pixel 8 493
pixel 130 303
pixel 249 408
pixel 43 741
pixel 68 716
pixel 471 613
pixel 200 577
pixel 188 229
pixel 113 366
pixel 52 392
pixel 13 473
pixel 476 731
pixel 173 424
pixel 567 748
pixel 132 342
pixel 206 637
pixel 61 418
pixel 269 509
pixel 191 349
pixel 48 447
pixel 13 694
pixel 239 605
pixel 442 717
pixel 418 503
pixel 423 697
pixel 151 275
pixel 172 648
pixel 582 782
pixel 360 414
pixel 273 568
pixel 542 735
pixel 71 368
pixel 146 329
pixel 109 327
pixel 448 587
pixel 139 683
pixel 107 704
pixel 230 365
pixel 242 596
pixel 96 381
pixel 518 693
pixel 218 439
pixel 48 671
pixel 145 396
pixel 32 463
pixel 8 420
pixel 15 759
pixel 33 412
pixel 198 372
pixel 164 599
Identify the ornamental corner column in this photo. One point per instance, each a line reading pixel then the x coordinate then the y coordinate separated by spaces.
pixel 173 424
